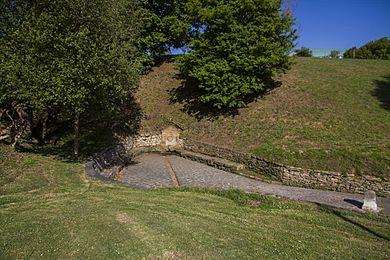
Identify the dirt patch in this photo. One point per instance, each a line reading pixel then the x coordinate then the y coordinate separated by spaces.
pixel 124 218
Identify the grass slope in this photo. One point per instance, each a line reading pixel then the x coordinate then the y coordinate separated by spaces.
pixel 329 114
pixel 50 209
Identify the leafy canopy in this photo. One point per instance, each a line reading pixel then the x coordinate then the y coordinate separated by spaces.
pixel 236 48
pixel 164 25
pixel 68 56
pixel 71 56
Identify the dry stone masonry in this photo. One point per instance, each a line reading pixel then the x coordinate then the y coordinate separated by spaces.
pixel 105 164
pixel 295 176
pixel 143 140
pixel 169 141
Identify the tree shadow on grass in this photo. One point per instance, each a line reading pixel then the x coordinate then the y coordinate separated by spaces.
pixel 99 129
pixel 342 216
pixel 188 95
pixel 382 92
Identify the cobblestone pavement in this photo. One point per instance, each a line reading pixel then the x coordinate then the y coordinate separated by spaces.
pixel 148 171
pixel 157 171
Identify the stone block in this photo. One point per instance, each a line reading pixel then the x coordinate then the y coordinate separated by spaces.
pixel 370 201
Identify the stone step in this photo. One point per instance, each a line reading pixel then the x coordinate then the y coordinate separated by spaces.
pixel 212 161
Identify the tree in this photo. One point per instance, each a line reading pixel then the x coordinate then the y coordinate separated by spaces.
pixel 304 52
pixel 334 54
pixel 378 49
pixel 236 48
pixel 66 56
pixel 350 53
pixel 164 25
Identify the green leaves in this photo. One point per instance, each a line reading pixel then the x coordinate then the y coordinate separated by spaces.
pixel 164 25
pixel 69 56
pixel 378 49
pixel 237 48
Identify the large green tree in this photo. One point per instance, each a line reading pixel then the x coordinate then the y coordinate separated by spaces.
pixel 237 47
pixel 66 56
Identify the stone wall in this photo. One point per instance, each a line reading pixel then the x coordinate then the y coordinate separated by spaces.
pixel 105 164
pixel 115 158
pixel 295 176
pixel 143 140
pixel 333 181
pixel 252 162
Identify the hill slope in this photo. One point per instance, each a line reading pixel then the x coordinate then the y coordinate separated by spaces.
pixel 328 114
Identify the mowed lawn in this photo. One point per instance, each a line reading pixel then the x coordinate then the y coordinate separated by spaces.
pixel 329 114
pixel 51 209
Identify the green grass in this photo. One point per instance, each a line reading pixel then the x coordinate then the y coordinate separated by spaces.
pixel 50 209
pixel 329 114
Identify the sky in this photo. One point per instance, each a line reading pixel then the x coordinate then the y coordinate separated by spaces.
pixel 340 24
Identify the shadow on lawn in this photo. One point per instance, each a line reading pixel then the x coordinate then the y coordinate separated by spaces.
pixel 349 220
pixel 98 130
pixel 382 92
pixel 188 94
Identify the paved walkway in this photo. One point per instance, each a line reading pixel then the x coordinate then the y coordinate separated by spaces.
pixel 157 171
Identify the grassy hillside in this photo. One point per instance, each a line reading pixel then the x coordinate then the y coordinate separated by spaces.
pixel 50 209
pixel 328 114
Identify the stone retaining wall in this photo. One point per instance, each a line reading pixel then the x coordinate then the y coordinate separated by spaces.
pixel 143 140
pixel 295 176
pixel 252 162
pixel 120 155
pixel 105 164
pixel 333 181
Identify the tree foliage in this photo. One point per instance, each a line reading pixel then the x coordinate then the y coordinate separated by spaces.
pixel 350 53
pixel 236 48
pixel 378 49
pixel 304 52
pixel 164 25
pixel 66 56
pixel 334 54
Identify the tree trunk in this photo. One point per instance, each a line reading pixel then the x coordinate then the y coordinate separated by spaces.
pixel 76 134
pixel 19 127
pixel 44 126
pixel 30 122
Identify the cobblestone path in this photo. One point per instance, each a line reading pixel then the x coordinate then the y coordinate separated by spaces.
pixel 157 171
